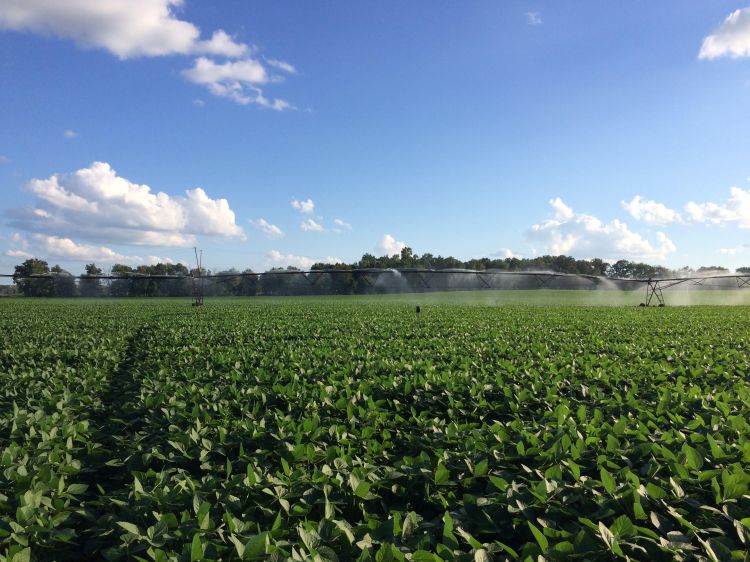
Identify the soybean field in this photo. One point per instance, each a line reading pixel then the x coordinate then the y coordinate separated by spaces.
pixel 325 429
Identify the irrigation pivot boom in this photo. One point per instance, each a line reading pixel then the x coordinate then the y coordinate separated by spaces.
pixel 654 287
pixel 417 280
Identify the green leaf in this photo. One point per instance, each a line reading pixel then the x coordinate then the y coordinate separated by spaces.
pixel 481 468
pixel 574 469
pixel 310 538
pixel 129 527
pixel 238 546
pixel 255 548
pixel 622 527
pixel 363 490
pixel 499 483
pixel 442 474
pixel 734 485
pixel 196 548
pixel 693 458
pixel 23 555
pixel 345 528
pixel 204 520
pixel 75 489
pixel 564 547
pixel 449 539
pixel 655 492
pixel 608 480
pixel 539 536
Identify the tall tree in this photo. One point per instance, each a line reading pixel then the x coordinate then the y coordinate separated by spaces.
pixel 120 287
pixel 63 283
pixel 29 286
pixel 90 285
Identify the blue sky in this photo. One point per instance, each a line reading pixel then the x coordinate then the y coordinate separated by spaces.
pixel 135 129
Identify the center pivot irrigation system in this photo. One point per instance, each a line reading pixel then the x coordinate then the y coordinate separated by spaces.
pixel 654 287
pixel 198 279
pixel 420 280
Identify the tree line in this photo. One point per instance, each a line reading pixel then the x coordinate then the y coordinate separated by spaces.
pixel 131 282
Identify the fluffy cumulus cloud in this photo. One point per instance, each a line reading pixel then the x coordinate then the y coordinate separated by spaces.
pixel 60 248
pixel 279 259
pixel 309 225
pixel 126 28
pixel 735 210
pixel 99 206
pixel 587 236
pixel 650 211
pixel 65 248
pixel 731 39
pixel 388 246
pixel 306 207
pixel 505 253
pixel 561 211
pixel 270 231
pixel 149 28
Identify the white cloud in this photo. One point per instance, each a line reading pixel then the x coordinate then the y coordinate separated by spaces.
pixel 306 207
pixel 199 102
pixel 729 251
pixel 4 159
pixel 732 39
pixel 650 211
pixel 152 260
pixel 271 231
pixel 562 211
pixel 65 248
pixel 587 236
pixel 60 248
pixel 222 44
pixel 341 226
pixel 18 254
pixel 125 28
pixel 97 205
pixel 735 210
pixel 206 71
pixel 309 225
pixel 533 18
pixel 505 253
pixel 236 80
pixel 388 246
pixel 149 28
pixel 282 65
pixel 276 258
pixel 70 134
